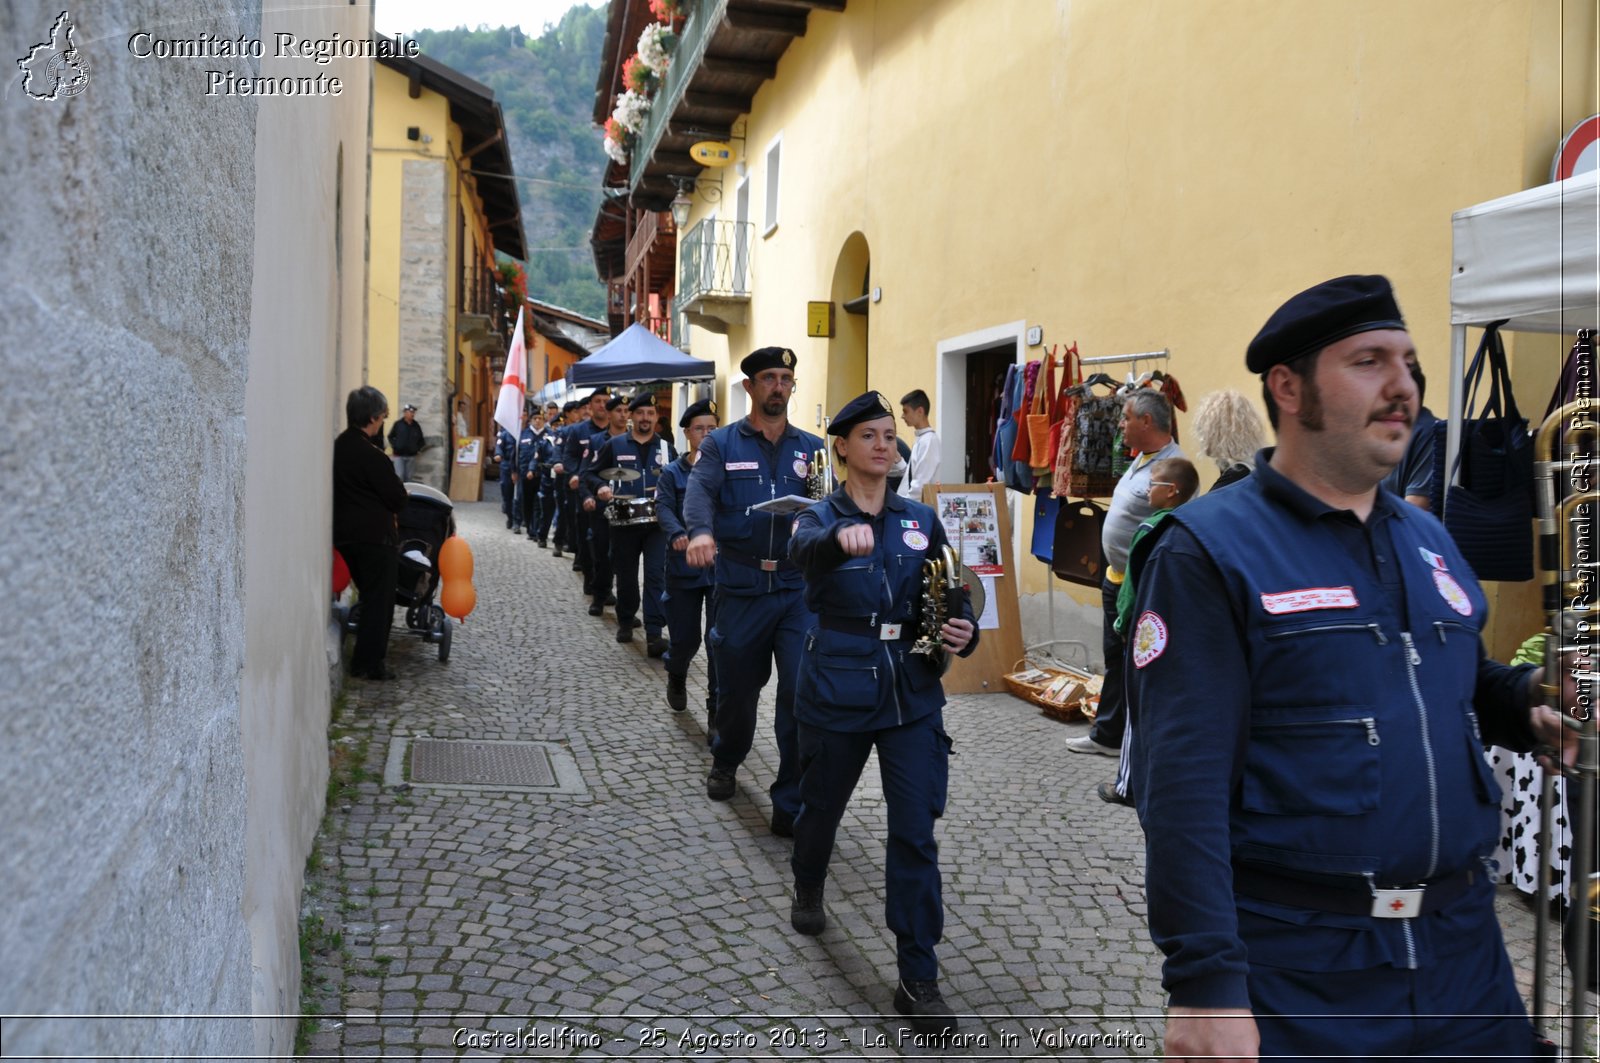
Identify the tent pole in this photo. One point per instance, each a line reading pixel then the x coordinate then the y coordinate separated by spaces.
pixel 1458 398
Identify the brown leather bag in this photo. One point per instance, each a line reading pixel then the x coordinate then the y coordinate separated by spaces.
pixel 1075 556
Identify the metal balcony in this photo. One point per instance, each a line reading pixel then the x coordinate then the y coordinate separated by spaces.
pixel 714 273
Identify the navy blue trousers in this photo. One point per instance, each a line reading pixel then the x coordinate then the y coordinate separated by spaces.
pixel 1461 1002
pixel 690 610
pixel 752 632
pixel 629 543
pixel 547 508
pixel 508 493
pixel 598 577
pixel 913 760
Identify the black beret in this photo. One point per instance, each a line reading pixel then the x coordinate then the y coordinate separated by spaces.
pixel 868 407
pixel 1321 315
pixel 615 401
pixel 601 390
pixel 767 358
pixel 570 406
pixel 645 399
pixel 703 408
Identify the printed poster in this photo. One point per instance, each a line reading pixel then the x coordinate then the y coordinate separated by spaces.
pixel 973 528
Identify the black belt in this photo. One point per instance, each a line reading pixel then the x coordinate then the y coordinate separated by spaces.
pixel 765 564
pixel 1349 895
pixel 855 625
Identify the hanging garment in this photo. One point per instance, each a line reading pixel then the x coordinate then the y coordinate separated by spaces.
pixel 1094 429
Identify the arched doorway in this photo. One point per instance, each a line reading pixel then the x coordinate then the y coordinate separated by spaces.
pixel 847 351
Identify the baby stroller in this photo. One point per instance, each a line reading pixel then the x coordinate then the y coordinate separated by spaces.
pixel 426 522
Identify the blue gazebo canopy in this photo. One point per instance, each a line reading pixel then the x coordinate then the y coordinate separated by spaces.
pixel 638 356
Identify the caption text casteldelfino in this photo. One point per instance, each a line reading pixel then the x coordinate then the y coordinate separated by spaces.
pixel 319 50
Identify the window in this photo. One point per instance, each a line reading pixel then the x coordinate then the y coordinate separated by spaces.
pixel 774 158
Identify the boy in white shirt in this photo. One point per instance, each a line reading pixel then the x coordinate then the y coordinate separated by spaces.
pixel 922 468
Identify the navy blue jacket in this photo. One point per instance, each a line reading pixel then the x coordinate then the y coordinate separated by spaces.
pixel 533 450
pixel 575 446
pixel 588 467
pixel 1307 690
pixel 857 682
pixel 738 467
pixel 505 448
pixel 669 512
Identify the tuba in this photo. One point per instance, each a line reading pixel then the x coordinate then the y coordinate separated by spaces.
pixel 942 598
pixel 1565 474
pixel 820 482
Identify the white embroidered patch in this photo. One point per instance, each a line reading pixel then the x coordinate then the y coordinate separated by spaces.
pixel 1309 598
pixel 1149 639
pixel 915 539
pixel 740 466
pixel 802 468
pixel 1451 592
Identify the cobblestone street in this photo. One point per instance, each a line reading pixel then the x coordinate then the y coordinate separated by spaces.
pixel 634 917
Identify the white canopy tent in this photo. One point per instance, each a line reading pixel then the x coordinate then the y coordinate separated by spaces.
pixel 1531 259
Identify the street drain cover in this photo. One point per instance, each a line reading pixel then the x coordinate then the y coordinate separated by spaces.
pixel 443 763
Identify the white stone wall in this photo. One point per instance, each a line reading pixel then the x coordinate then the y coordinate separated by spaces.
pixel 306 336
pixel 164 560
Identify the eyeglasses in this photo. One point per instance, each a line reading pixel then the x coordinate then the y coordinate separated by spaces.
pixel 1162 483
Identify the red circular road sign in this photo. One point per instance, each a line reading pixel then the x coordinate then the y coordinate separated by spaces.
pixel 1579 151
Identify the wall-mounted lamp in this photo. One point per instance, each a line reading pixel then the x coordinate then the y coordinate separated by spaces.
pixel 682 201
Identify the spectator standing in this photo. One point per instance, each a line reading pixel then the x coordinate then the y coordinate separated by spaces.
pixel 367 496
pixel 406 441
pixel 1147 431
pixel 1229 432
pixel 922 468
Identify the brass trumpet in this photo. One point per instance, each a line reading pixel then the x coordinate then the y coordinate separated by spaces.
pixel 941 599
pixel 1565 453
pixel 820 482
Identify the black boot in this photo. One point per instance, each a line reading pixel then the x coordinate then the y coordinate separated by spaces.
pixel 806 914
pixel 677 693
pixel 922 1003
pixel 719 784
pixel 656 646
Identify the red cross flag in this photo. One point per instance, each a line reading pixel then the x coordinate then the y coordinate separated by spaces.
pixel 513 387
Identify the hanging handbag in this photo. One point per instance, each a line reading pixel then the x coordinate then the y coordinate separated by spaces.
pixel 1076 555
pixel 1044 401
pixel 1489 511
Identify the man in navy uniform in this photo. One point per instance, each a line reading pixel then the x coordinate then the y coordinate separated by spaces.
pixel 690 592
pixel 761 614
pixel 601 576
pixel 573 452
pixel 505 449
pixel 641 450
pixel 556 483
pixel 529 479
pixel 1311 698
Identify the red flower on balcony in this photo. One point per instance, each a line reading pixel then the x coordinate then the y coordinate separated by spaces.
pixel 638 77
pixel 666 10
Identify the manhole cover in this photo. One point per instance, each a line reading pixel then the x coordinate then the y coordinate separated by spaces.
pixel 443 762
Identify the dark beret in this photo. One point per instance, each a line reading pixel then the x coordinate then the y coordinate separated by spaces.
pixel 767 358
pixel 703 408
pixel 601 390
pixel 570 406
pixel 1323 314
pixel 868 407
pixel 615 401
pixel 645 399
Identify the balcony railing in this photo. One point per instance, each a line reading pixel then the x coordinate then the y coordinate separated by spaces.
pixel 714 261
pixel 686 56
pixel 680 325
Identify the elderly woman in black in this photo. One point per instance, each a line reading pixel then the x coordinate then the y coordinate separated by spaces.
pixel 367 496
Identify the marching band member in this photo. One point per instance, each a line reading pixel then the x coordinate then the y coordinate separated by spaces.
pixel 645 452
pixel 690 592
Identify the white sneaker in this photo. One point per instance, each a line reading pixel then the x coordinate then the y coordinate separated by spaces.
pixel 1085 744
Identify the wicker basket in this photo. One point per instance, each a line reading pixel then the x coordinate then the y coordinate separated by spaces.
pixel 1060 694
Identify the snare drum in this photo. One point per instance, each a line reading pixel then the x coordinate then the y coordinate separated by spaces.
pixel 623 512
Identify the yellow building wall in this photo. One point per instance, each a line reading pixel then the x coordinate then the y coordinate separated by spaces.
pixel 394 111
pixel 1140 174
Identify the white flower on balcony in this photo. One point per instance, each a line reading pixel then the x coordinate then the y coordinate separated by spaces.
pixel 653 44
pixel 631 111
pixel 618 153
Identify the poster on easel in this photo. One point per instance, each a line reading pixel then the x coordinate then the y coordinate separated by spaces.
pixel 978 526
pixel 466 474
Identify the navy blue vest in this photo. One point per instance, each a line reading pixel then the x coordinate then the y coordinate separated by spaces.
pixel 750 477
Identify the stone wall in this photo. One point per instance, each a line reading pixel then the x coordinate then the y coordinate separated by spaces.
pixel 424 287
pixel 125 279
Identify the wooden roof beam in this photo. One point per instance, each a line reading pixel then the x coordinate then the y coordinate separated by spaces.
pixel 761 69
pixel 765 22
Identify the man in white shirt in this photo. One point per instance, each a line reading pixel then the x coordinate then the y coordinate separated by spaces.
pixel 922 468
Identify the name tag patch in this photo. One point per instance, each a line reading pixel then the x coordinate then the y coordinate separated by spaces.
pixel 1451 592
pixel 1149 639
pixel 740 466
pixel 1308 599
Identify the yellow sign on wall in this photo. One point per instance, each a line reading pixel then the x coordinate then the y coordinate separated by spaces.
pixel 819 320
pixel 712 153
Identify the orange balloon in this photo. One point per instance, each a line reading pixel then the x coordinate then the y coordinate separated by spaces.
pixel 455 559
pixel 458 598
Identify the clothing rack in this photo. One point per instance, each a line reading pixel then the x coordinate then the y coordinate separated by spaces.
pixel 1145 356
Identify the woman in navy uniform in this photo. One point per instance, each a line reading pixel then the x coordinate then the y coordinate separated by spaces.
pixel 861 550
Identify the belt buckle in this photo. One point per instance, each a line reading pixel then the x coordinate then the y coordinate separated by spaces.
pixel 768 565
pixel 888 632
pixel 1397 903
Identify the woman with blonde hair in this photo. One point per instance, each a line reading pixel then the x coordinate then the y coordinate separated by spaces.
pixel 1229 431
